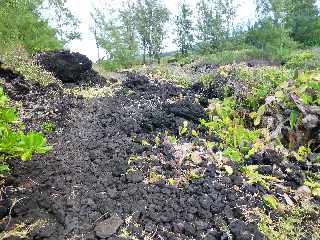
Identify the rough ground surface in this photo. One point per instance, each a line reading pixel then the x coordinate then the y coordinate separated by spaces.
pixel 89 187
pixel 71 68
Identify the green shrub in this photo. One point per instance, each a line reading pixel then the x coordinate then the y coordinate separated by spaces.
pixel 273 39
pixel 14 142
pixel 304 60
pixel 225 122
pixel 231 56
pixel 17 59
pixel 117 64
pixel 250 86
pixel 110 65
pixel 21 23
pixel 47 126
pixel 171 73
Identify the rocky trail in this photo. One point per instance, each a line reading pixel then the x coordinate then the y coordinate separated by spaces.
pixel 113 170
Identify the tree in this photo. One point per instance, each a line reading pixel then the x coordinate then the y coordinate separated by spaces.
pixel 215 22
pixel 128 24
pixel 21 23
pixel 143 27
pixel 63 20
pixel 300 17
pixel 116 35
pixel 210 26
pixel 151 18
pixel 304 21
pixel 227 10
pixel 276 10
pixel 273 39
pixel 184 28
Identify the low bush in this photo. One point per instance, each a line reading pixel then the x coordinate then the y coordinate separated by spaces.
pixel 231 56
pixel 170 73
pixel 14 141
pixel 249 86
pixel 17 58
pixel 308 59
pixel 238 141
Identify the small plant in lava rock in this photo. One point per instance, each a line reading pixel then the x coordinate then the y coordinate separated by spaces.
pixel 48 126
pixel 226 123
pixel 14 141
pixel 255 177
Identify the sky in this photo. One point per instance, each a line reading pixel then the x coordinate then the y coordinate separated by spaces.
pixel 87 46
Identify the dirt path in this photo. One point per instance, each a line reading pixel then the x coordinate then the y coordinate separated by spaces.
pixel 89 187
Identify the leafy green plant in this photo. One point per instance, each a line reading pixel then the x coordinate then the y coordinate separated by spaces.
pixel 302 153
pixel 206 78
pixel 293 119
pixel 192 174
pixel 304 60
pixel 314 185
pixel 145 142
pixel 47 126
pixel 259 83
pixel 230 56
pixel 14 142
pixel 248 86
pixel 233 154
pixel 292 225
pixel 271 201
pixel 194 133
pixel 307 87
pixel 157 140
pixel 172 181
pixel 255 177
pixel 172 139
pixel 183 130
pixel 225 122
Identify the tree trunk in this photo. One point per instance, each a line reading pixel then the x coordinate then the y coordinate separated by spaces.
pixel 144 55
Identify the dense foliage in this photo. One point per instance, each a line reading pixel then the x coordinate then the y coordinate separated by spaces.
pixel 281 27
pixel 22 22
pixel 14 141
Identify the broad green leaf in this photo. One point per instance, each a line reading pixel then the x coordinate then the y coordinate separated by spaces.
pixel 26 155
pixel 4 168
pixel 260 113
pixel 293 119
pixel 8 115
pixel 234 154
pixel 271 201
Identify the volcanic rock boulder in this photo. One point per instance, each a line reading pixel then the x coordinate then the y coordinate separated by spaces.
pixel 108 227
pixel 137 81
pixel 186 109
pixel 65 65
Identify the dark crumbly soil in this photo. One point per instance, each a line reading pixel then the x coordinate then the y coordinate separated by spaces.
pixel 87 177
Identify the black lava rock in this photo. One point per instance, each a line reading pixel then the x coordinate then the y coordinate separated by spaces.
pixel 65 65
pixel 186 109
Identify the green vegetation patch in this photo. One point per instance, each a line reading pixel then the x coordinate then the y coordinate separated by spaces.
pixel 239 142
pixel 19 61
pixel 299 222
pixel 15 142
pixel 231 56
pixel 307 59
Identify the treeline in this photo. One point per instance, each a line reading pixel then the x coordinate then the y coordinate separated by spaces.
pixel 137 31
pixel 140 27
pixel 36 24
